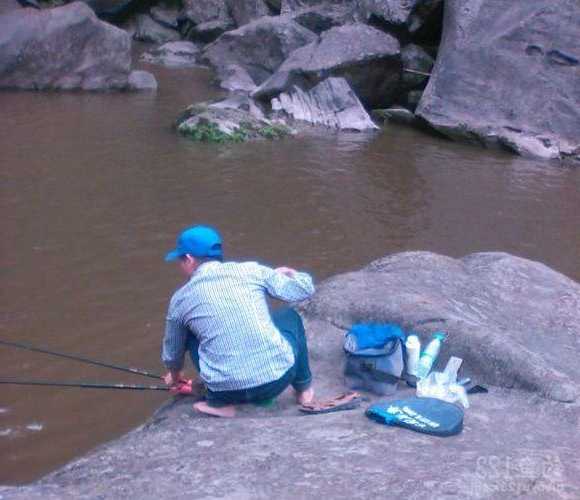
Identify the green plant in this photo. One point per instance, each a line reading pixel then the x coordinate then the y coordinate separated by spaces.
pixel 273 131
pixel 210 132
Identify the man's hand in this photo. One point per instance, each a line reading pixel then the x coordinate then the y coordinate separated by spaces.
pixel 173 377
pixel 288 271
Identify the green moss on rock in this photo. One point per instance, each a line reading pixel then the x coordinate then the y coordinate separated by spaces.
pixel 218 126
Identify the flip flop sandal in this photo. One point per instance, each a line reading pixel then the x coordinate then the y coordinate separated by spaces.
pixel 346 401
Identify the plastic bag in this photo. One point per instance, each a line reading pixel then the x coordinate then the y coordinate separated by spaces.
pixel 443 385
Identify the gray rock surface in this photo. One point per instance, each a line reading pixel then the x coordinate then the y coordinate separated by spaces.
pixel 62 48
pixel 113 9
pixel 508 75
pixel 514 443
pixel 180 54
pixel 149 30
pixel 258 47
pixel 396 114
pixel 417 64
pixel 515 322
pixel 205 20
pixel 245 11
pixel 294 5
pixel 367 58
pixel 166 15
pixel 9 5
pixel 409 15
pixel 330 103
pixel 142 80
pixel 324 17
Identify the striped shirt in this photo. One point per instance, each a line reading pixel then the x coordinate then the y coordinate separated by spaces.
pixel 224 305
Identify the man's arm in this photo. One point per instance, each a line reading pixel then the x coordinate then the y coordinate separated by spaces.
pixel 173 350
pixel 287 284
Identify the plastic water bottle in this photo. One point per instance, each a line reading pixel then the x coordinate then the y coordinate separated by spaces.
pixel 413 347
pixel 430 354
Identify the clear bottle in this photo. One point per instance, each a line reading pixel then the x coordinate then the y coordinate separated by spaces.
pixel 413 348
pixel 430 354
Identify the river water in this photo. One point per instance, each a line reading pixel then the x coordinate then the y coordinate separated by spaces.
pixel 96 186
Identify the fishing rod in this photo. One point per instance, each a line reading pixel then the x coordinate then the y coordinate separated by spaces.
pixel 87 385
pixel 88 361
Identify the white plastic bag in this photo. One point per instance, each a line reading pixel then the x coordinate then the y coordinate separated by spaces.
pixel 443 385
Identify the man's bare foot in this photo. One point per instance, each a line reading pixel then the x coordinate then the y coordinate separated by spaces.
pixel 222 411
pixel 306 396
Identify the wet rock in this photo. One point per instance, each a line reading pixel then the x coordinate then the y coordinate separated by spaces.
pixel 235 78
pixel 165 15
pixel 205 20
pixel 149 30
pixel 522 91
pixel 210 31
pixel 258 47
pixel 413 98
pixel 245 11
pixel 113 9
pixel 203 11
pixel 514 322
pixel 142 80
pixel 417 65
pixel 227 121
pixel 323 18
pixel 330 103
pixel 295 5
pixel 274 5
pixel 406 15
pixel 28 3
pixel 241 102
pixel 9 5
pixel 62 48
pixel 367 58
pixel 180 54
pixel 396 114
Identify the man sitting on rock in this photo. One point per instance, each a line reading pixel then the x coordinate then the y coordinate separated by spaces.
pixel 242 352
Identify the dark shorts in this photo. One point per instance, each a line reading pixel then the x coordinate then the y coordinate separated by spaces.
pixel 288 321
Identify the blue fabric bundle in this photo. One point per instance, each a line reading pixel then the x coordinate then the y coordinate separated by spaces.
pixel 364 336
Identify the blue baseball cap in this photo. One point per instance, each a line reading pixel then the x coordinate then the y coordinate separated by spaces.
pixel 197 241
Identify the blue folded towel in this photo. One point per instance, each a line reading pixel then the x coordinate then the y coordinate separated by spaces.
pixel 372 336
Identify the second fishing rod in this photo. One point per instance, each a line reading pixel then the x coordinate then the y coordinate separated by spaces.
pixel 81 359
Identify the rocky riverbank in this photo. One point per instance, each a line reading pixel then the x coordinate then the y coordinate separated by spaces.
pixel 467 69
pixel 515 323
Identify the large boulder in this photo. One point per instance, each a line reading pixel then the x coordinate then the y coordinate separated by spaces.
pixel 403 15
pixel 330 103
pixel 516 323
pixel 113 9
pixel 151 31
pixel 295 5
pixel 9 5
pixel 417 66
pixel 182 54
pixel 507 74
pixel 62 48
pixel 258 48
pixel 323 17
pixel 166 15
pixel 205 20
pixel 367 58
pixel 203 11
pixel 245 11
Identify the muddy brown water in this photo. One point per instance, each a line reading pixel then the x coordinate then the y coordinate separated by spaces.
pixel 96 186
